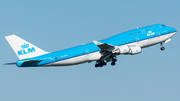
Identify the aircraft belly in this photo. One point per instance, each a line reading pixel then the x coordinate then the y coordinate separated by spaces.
pixel 71 61
pixel 76 60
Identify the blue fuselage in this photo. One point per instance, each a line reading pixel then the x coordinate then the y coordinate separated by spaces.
pixel 121 39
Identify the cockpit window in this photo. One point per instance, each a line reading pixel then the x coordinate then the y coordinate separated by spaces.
pixel 163 25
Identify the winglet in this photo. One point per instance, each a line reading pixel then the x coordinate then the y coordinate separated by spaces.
pixel 97 43
pixel 104 46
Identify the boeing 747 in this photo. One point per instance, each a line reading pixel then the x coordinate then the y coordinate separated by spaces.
pixel 103 51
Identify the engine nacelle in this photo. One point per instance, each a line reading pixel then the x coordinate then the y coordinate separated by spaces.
pixel 135 49
pixel 121 50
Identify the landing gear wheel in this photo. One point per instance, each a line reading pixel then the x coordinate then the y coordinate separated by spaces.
pixel 114 60
pixel 113 63
pixel 96 65
pixel 162 48
pixel 104 63
pixel 100 65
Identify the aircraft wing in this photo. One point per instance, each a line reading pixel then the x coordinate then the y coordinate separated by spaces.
pixel 104 46
pixel 106 50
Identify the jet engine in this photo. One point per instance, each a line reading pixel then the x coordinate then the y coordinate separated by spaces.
pixel 121 50
pixel 127 50
pixel 135 49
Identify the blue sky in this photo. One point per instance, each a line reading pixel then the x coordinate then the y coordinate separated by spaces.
pixel 55 25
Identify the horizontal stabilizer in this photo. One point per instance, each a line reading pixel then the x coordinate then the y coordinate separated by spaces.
pixel 28 63
pixel 12 63
pixel 32 61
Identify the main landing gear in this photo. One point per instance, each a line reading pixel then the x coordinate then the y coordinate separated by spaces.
pixel 162 48
pixel 113 61
pixel 101 63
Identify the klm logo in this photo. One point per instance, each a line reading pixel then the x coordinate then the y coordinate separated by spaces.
pixel 26 49
pixel 150 33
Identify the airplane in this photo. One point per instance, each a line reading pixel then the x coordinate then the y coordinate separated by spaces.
pixel 103 51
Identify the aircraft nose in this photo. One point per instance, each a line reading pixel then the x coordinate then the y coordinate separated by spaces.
pixel 175 30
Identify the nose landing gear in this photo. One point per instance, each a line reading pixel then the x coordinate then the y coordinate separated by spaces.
pixel 162 48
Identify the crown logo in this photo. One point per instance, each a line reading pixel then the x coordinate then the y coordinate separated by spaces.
pixel 25 46
pixel 149 32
